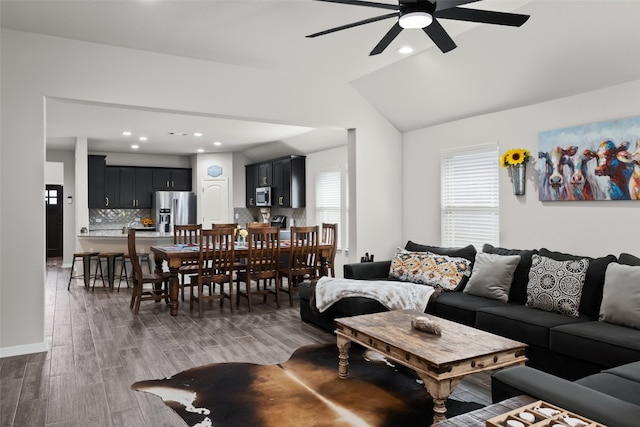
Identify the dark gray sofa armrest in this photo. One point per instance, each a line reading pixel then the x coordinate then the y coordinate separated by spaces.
pixel 573 397
pixel 367 270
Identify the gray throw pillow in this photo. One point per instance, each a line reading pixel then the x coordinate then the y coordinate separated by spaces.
pixel 621 295
pixel 556 285
pixel 492 275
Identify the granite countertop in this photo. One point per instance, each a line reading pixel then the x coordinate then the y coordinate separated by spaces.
pixel 140 234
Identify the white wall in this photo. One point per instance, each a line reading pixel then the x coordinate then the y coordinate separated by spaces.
pixel 34 67
pixel 53 172
pixel 316 162
pixel 582 228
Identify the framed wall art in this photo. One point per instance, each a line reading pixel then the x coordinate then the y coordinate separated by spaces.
pixel 596 161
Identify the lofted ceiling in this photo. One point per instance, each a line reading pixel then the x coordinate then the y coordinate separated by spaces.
pixel 566 47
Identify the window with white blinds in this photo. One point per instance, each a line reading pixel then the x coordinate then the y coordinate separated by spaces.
pixel 331 200
pixel 469 196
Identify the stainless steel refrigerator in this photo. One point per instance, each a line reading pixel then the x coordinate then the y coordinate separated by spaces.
pixel 171 208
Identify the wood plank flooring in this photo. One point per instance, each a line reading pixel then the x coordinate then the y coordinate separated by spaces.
pixel 99 348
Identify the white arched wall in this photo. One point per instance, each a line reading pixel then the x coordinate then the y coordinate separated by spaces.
pixel 34 67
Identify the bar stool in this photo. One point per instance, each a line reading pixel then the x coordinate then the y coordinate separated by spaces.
pixel 86 258
pixel 111 258
pixel 142 257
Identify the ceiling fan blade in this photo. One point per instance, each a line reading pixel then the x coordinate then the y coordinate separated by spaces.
pixel 439 36
pixel 483 16
pixel 386 40
pixel 363 3
pixel 354 24
pixel 448 4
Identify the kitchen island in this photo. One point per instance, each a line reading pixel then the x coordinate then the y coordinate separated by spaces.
pixel 113 240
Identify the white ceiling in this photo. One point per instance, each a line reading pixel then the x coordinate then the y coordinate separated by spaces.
pixel 566 47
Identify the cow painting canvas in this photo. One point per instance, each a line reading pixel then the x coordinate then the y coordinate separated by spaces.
pixel 596 161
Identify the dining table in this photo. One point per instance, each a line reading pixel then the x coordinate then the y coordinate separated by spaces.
pixel 176 255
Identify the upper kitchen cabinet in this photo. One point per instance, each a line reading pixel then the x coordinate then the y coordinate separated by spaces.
pixel 265 175
pixel 173 179
pixel 285 175
pixel 96 168
pixel 289 189
pixel 112 187
pixel 251 182
pixel 135 187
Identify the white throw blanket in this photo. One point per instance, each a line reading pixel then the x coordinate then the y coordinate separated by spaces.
pixel 391 294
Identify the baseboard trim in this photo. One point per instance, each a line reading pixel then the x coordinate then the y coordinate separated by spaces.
pixel 20 350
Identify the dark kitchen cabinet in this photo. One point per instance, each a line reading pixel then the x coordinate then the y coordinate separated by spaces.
pixel 251 175
pixel 285 175
pixel 135 187
pixel 265 175
pixel 96 167
pixel 174 179
pixel 112 187
pixel 289 183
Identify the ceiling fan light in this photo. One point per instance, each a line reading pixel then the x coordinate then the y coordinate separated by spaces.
pixel 415 20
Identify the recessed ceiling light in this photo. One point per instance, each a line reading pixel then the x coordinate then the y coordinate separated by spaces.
pixel 126 133
pixel 405 50
pixel 135 147
pixel 217 143
pixel 197 134
pixel 200 150
pixel 143 138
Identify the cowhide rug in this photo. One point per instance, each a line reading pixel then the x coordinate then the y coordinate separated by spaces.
pixel 303 391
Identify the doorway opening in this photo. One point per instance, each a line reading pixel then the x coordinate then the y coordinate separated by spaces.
pixel 54 210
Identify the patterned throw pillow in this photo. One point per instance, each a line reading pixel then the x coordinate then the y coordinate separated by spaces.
pixel 556 285
pixel 429 269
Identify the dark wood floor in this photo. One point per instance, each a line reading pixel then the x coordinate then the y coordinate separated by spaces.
pixel 99 348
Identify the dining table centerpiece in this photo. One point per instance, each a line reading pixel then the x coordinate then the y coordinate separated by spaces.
pixel 241 235
pixel 515 160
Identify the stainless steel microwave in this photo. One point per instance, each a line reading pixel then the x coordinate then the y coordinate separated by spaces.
pixel 263 196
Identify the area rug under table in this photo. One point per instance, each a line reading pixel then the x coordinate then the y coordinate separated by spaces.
pixel 303 391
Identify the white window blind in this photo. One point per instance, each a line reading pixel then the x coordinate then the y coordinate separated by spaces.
pixel 329 196
pixel 469 196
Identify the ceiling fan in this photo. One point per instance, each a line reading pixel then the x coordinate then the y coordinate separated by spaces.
pixel 424 14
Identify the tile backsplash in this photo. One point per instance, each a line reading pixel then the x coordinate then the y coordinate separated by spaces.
pixel 245 215
pixel 109 219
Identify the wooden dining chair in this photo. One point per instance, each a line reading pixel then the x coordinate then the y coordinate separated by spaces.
pixel 257 224
pixel 215 267
pixel 233 225
pixel 303 259
pixel 188 234
pixel 263 262
pixel 330 237
pixel 160 281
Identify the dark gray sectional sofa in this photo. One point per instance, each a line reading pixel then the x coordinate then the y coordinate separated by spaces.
pixel 571 348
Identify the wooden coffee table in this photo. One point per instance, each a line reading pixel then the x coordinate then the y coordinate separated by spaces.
pixel 440 361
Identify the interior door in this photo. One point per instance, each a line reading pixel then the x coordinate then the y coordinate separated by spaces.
pixel 53 201
pixel 215 201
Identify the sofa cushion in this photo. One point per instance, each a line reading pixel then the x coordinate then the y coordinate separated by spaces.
pixel 428 268
pixel 460 307
pixel 628 259
pixel 518 291
pixel 594 281
pixel 613 385
pixel 556 286
pixel 467 252
pixel 602 343
pixel 621 296
pixel 522 323
pixel 492 276
pixel 569 395
pixel 630 371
